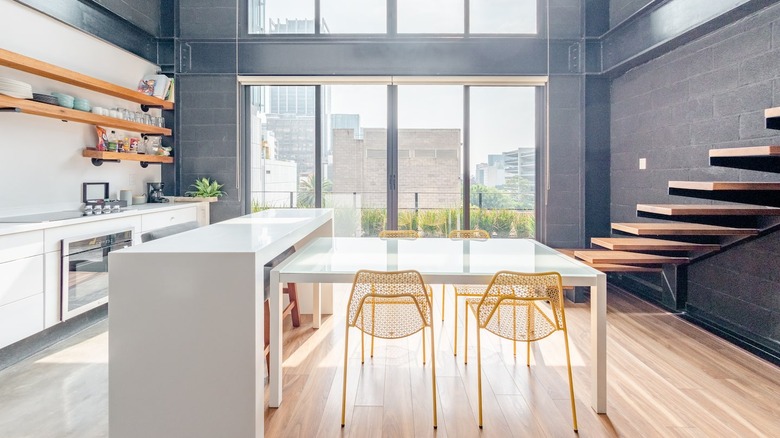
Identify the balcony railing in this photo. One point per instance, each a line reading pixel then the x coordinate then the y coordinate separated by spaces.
pixel 433 214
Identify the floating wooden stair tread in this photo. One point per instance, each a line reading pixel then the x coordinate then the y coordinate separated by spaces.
pixel 645 244
pixel 625 257
pixel 609 267
pixel 46 70
pixel 772 112
pixel 723 185
pixel 707 210
pixel 680 229
pixel 753 151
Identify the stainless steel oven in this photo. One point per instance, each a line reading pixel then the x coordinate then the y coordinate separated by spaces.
pixel 85 270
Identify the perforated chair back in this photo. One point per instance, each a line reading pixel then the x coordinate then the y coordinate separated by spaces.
pixel 399 234
pixel 398 303
pixel 469 234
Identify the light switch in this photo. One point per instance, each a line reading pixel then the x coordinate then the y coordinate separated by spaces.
pixel 642 163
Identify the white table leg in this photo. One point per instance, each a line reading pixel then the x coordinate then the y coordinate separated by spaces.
pixel 316 308
pixel 598 345
pixel 275 373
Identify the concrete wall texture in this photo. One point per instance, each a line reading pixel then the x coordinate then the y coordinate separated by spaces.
pixel 710 93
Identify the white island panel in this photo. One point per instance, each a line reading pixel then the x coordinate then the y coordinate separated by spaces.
pixel 186 326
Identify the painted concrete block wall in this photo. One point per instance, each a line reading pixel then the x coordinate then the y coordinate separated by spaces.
pixel 143 13
pixel 42 157
pixel 710 93
pixel 619 10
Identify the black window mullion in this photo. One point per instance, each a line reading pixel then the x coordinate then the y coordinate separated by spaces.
pixel 318 119
pixel 466 157
pixel 317 17
pixel 392 17
pixel 392 157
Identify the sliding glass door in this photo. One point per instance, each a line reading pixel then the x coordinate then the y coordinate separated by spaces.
pixel 405 156
pixel 430 150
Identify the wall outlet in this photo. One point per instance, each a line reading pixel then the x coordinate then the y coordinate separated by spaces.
pixel 642 163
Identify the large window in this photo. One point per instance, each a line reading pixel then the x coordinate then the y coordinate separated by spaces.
pixel 404 156
pixel 282 146
pixel 409 17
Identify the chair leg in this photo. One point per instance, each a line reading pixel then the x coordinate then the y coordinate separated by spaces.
pixel 529 315
pixel 455 343
pixel 514 329
pixel 294 312
pixel 362 338
pixel 423 342
pixel 344 387
pixel 466 336
pixel 373 321
pixel 479 375
pixel 571 382
pixel 443 287
pixel 433 373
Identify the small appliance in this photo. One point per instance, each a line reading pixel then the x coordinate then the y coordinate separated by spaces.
pixel 155 191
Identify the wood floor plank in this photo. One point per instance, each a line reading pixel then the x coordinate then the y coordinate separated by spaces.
pixel 367 422
pixel 667 378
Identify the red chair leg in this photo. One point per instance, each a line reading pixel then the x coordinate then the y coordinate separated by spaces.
pixel 294 313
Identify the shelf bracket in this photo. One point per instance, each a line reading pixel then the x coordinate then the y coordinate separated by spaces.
pixel 10 110
pixel 97 162
pixel 145 108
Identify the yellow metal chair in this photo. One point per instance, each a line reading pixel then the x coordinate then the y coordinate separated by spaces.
pixel 513 307
pixel 399 307
pixel 399 234
pixel 463 290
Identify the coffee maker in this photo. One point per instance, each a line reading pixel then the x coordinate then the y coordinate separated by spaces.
pixel 155 192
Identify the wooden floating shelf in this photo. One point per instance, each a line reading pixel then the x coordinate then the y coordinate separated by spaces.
pixel 753 151
pixel 118 156
pixel 645 244
pixel 50 71
pixel 681 229
pixel 625 257
pixel 707 210
pixel 772 117
pixel 724 185
pixel 62 113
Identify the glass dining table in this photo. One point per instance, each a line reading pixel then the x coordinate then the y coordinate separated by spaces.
pixel 440 261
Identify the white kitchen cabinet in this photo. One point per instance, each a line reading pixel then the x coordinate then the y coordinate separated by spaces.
pixel 21 319
pixel 22 278
pixel 20 245
pixel 153 221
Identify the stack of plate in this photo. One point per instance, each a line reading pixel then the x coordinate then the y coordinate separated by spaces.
pixel 45 98
pixel 81 104
pixel 65 100
pixel 17 89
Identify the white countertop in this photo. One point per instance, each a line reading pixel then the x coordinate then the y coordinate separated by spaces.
pixel 273 230
pixel 11 228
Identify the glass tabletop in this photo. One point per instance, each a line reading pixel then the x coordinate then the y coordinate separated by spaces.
pixel 433 257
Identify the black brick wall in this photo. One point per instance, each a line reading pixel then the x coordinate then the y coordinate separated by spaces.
pixel 142 13
pixel 619 10
pixel 710 93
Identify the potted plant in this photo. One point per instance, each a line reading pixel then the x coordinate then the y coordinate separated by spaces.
pixel 205 188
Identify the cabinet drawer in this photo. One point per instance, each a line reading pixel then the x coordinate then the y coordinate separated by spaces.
pixel 152 221
pixel 21 319
pixel 20 245
pixel 20 279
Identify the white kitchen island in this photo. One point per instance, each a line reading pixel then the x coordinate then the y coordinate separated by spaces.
pixel 186 326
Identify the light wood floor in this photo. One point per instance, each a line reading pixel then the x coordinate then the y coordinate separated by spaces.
pixel 667 378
